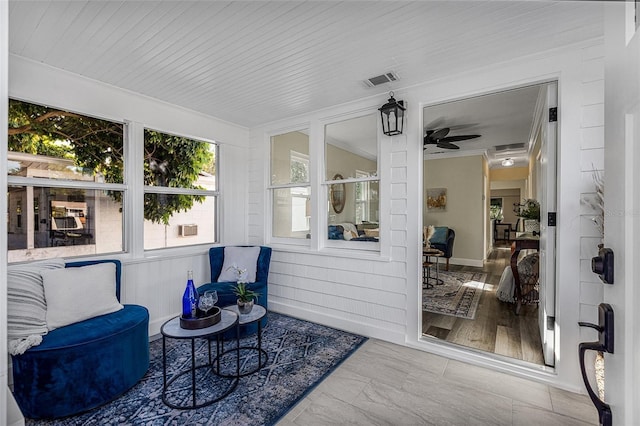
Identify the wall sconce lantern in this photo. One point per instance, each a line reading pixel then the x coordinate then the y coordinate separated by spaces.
pixel 392 115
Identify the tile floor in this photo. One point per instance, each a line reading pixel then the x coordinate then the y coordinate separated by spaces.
pixel 387 384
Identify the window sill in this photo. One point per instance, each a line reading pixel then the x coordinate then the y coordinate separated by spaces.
pixel 333 252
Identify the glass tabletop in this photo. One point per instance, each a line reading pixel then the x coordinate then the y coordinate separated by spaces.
pixel 257 313
pixel 171 328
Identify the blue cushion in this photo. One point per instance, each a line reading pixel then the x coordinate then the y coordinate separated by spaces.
pixel 224 289
pixel 336 232
pixel 440 235
pixel 83 365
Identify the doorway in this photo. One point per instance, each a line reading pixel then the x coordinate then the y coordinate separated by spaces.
pixel 491 154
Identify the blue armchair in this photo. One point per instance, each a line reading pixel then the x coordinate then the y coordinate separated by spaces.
pixel 225 294
pixel 447 246
pixel 83 365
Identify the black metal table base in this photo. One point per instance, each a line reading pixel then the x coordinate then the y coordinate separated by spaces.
pixel 214 365
pixel 263 357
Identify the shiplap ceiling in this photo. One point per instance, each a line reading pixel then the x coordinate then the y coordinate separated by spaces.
pixel 255 62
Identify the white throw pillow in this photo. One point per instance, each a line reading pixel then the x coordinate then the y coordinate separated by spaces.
pixel 239 258
pixel 26 306
pixel 77 294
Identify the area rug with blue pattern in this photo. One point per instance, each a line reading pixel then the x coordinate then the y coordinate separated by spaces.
pixel 300 355
pixel 457 295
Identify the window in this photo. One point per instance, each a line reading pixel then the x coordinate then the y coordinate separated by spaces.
pixel 351 177
pixel 181 191
pixel 65 170
pixel 290 187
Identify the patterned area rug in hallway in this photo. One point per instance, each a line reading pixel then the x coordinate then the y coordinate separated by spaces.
pixel 301 355
pixel 458 296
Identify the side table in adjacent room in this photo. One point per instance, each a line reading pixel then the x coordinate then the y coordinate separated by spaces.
pixel 257 313
pixel 427 279
pixel 171 329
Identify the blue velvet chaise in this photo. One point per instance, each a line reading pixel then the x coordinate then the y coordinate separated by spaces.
pixel 224 289
pixel 83 365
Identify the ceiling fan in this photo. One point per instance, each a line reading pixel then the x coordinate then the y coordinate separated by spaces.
pixel 439 138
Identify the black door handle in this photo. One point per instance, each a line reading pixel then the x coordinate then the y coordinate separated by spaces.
pixel 604 344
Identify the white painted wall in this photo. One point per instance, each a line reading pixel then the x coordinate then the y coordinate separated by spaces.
pixel 464 213
pixel 622 205
pixel 380 296
pixel 591 160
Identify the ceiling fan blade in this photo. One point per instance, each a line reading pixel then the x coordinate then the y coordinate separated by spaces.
pixel 428 140
pixel 440 133
pixel 447 145
pixel 459 138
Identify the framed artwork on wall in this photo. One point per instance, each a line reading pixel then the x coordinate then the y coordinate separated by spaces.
pixel 436 199
pixel 337 195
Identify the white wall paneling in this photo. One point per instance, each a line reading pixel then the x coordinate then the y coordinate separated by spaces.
pixel 349 292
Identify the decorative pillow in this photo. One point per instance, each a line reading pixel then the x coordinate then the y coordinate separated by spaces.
pixel 77 294
pixel 529 268
pixel 26 306
pixel 336 232
pixel 506 286
pixel 372 232
pixel 428 232
pixel 236 259
pixel 440 234
pixel 348 226
pixel 347 235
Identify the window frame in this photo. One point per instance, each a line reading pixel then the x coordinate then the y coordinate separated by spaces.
pixel 325 183
pixel 38 182
pixel 150 189
pixel 132 186
pixel 272 188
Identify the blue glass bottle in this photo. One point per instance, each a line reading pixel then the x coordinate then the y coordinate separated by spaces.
pixel 190 298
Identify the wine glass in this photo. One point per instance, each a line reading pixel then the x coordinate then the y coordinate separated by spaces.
pixel 205 303
pixel 213 295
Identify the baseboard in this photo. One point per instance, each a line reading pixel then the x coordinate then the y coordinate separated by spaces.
pixel 338 322
pixel 14 415
pixel 466 262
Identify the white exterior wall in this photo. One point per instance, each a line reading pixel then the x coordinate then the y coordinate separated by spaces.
pixel 379 296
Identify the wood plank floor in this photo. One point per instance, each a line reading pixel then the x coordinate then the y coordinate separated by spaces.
pixel 496 328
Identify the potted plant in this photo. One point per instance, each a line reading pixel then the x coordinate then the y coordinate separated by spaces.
pixel 529 211
pixel 245 297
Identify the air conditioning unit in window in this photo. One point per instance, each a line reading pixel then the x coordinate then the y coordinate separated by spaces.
pixel 188 230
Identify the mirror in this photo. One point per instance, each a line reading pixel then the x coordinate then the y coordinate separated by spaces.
pixel 337 194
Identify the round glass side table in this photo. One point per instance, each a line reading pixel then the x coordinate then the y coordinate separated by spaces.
pixel 172 330
pixel 257 313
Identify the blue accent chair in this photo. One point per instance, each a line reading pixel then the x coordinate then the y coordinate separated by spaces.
pixel 83 365
pixel 447 246
pixel 224 289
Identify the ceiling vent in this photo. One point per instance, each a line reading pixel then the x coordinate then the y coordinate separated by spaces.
pixel 381 79
pixel 510 147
